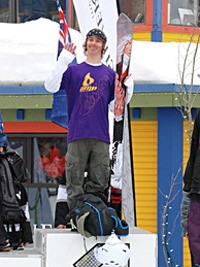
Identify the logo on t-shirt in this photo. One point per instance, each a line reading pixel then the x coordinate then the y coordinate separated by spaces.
pixel 87 84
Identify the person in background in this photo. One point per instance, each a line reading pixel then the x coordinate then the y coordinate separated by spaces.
pixel 15 228
pixel 191 196
pixel 62 208
pixel 4 242
pixel 90 88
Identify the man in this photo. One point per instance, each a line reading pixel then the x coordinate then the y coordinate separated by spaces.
pixel 192 190
pixel 90 89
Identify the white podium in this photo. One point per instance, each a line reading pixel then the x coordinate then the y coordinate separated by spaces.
pixel 29 257
pixel 61 248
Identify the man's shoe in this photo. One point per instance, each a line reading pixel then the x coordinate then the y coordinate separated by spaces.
pixel 5 247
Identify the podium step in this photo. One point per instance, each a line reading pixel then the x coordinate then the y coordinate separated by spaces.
pixel 65 248
pixel 30 257
pixel 62 247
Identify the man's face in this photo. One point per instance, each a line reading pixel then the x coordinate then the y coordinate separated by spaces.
pixel 1 149
pixel 94 45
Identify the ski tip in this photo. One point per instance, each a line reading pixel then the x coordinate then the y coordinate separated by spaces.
pixel 124 25
pixel 124 17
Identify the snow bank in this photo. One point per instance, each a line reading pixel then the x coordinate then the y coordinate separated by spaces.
pixel 28 52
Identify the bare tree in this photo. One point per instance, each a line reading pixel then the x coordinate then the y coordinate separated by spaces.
pixel 167 229
pixel 188 68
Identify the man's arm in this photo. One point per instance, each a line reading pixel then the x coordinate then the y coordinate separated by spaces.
pixel 53 81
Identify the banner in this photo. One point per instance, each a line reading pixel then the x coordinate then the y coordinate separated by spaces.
pixel 101 14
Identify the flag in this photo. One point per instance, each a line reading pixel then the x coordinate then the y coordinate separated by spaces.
pixel 64 35
pixel 59 114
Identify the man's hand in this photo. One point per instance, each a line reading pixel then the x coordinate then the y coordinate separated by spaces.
pixel 61 226
pixel 119 98
pixel 70 47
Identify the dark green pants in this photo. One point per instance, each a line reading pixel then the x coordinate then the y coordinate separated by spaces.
pixel 3 235
pixel 89 155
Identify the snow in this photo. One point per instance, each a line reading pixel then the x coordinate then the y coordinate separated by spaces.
pixel 156 62
pixel 28 52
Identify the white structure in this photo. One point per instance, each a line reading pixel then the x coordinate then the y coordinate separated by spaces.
pixel 58 248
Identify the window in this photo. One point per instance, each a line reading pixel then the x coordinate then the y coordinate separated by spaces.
pixel 49 159
pixel 183 12
pixel 18 11
pixel 44 155
pixel 4 11
pixel 134 9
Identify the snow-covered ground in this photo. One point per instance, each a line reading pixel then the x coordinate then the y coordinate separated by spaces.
pixel 28 52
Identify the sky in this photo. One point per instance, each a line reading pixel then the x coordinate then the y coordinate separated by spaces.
pixel 28 53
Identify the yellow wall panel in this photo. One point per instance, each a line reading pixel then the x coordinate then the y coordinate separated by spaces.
pixel 186 255
pixel 142 36
pixel 178 37
pixel 144 144
pixel 146 184
pixel 142 173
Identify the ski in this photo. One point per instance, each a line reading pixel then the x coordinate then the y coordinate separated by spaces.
pixel 124 45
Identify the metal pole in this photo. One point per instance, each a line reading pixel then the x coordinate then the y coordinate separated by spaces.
pixel 13 11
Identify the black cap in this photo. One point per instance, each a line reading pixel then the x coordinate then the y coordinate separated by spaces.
pixel 97 32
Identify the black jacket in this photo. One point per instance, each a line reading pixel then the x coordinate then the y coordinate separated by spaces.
pixel 14 171
pixel 192 173
pixel 19 170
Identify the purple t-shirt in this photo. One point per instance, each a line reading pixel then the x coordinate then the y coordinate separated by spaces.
pixel 89 90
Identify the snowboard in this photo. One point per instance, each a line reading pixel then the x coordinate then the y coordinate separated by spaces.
pixel 124 45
